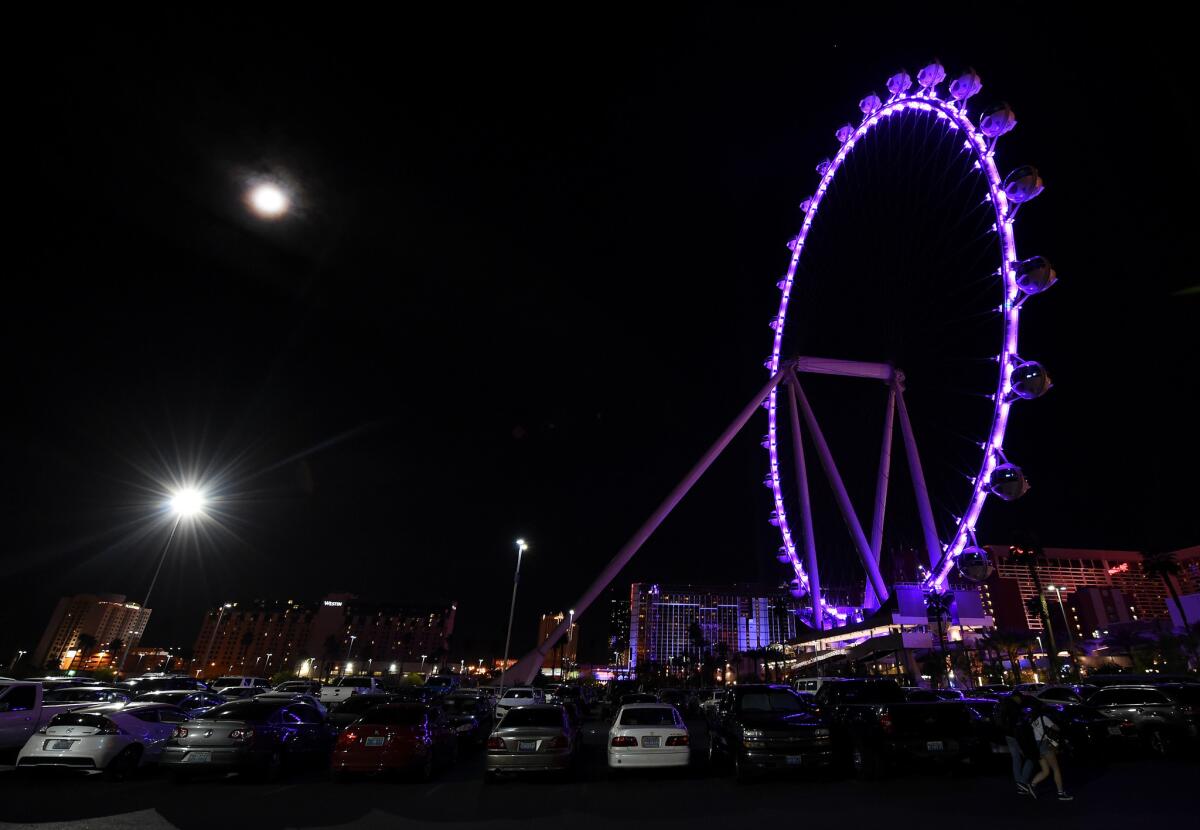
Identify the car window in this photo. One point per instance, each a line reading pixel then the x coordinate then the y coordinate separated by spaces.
pixel 306 713
pixel 146 715
pixel 361 682
pixel 526 716
pixel 922 696
pixel 1060 694
pixel 651 716
pixel 171 716
pixel 19 699
pixel 247 710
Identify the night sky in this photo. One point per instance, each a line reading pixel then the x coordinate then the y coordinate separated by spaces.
pixel 526 281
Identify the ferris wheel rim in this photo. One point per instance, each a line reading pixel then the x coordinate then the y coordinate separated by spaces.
pixel 922 103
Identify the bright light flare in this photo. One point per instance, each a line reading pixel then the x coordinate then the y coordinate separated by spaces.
pixel 187 502
pixel 268 200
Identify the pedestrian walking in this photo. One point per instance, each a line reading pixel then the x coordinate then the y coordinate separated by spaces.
pixel 1014 725
pixel 1046 733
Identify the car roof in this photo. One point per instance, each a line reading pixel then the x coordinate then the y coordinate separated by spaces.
pixel 534 706
pixel 648 706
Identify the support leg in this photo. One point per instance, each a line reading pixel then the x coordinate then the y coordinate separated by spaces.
pixel 874 580
pixel 810 545
pixel 933 546
pixel 881 487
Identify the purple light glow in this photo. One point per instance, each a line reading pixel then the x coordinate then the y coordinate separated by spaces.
pixel 956 119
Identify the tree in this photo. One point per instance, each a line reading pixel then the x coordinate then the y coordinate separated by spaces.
pixel 939 607
pixel 85 644
pixel 1164 566
pixel 1130 643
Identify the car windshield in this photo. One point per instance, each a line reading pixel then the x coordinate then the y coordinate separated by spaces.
pixel 361 703
pixel 527 716
pixel 79 719
pixel 775 700
pixel 247 710
pixel 224 682
pixel 165 697
pixel 355 681
pixel 522 694
pixel 650 716
pixel 395 716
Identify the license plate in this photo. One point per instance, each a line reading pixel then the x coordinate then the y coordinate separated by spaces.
pixel 526 746
pixel 1114 730
pixel 794 760
pixel 59 744
pixel 934 746
pixel 650 742
pixel 375 741
pixel 197 758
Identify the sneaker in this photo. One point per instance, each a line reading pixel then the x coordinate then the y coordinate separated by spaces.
pixel 1029 790
pixel 1065 797
pixel 1022 789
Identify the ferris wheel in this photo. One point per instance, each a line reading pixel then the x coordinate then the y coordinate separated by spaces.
pixel 918 133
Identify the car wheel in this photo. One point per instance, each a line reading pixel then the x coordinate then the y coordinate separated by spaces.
pixel 124 764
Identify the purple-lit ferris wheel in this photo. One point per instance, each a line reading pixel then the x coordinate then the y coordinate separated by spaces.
pixel 790 413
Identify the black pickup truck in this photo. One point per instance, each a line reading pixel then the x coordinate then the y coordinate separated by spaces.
pixel 874 727
pixel 757 727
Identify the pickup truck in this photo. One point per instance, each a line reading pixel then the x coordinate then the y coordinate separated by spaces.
pixel 347 687
pixel 758 727
pixel 875 728
pixel 24 710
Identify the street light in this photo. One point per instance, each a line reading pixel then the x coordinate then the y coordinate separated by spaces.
pixel 220 614
pixel 353 637
pixel 521 548
pixel 185 503
pixel 1067 623
pixel 423 656
pixel 268 200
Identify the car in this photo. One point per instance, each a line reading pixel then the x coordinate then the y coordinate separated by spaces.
pixel 163 683
pixel 535 737
pixel 648 735
pixel 767 726
pixel 992 691
pixel 348 711
pixel 637 697
pixel 442 682
pixel 247 681
pixel 1163 717
pixel 266 737
pixel 1088 735
pixel 301 687
pixel 21 712
pixel 915 695
pixel 516 697
pixel 113 738
pixel 238 692
pixel 312 700
pixel 86 695
pixel 396 737
pixel 1072 693
pixel 192 703
pixel 469 716
pixel 676 697
pixel 345 688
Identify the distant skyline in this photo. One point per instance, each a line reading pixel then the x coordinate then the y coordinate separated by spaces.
pixel 520 284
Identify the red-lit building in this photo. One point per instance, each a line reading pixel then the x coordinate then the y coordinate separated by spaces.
pixel 84 629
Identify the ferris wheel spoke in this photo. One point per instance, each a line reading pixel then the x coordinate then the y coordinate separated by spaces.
pixel 806 518
pixel 932 545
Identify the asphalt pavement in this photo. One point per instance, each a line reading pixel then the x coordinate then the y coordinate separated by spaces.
pixel 1123 794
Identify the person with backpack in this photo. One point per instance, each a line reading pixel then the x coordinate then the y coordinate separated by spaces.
pixel 1010 718
pixel 1048 738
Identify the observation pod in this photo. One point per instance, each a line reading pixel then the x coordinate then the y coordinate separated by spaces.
pixel 1035 275
pixel 783 556
pixel 1023 184
pixel 823 167
pixel 1008 482
pixel 965 85
pixel 1030 380
pixel 795 588
pixel 931 75
pixel 997 120
pixel 973 564
pixel 870 105
pixel 899 83
pixel 845 133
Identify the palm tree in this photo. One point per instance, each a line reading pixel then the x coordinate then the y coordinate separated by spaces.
pixel 939 607
pixel 85 644
pixel 1127 641
pixel 1164 566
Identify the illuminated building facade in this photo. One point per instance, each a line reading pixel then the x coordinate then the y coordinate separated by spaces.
pixel 83 628
pixel 618 628
pixel 1121 573
pixel 563 655
pixel 337 634
pixel 685 622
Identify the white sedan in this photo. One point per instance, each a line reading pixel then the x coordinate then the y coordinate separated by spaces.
pixel 648 735
pixel 113 738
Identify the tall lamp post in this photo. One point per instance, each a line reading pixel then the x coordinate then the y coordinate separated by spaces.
pixel 185 504
pixel 521 548
pixel 345 662
pixel 212 639
pixel 1066 622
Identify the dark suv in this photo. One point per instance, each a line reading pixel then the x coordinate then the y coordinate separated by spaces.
pixel 1163 716
pixel 759 727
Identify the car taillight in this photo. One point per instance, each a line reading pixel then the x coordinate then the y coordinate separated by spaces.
pixel 241 734
pixel 348 737
pixel 677 740
pixel 885 722
pixel 624 740
pixel 495 743
pixel 560 742
pixel 180 732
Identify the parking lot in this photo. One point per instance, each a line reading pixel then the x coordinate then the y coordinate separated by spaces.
pixel 1115 794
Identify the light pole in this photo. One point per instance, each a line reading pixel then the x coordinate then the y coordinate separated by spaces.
pixel 521 548
pixel 267 665
pixel 1067 623
pixel 353 637
pixel 185 504
pixel 423 656
pixel 212 639
pixel 20 653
